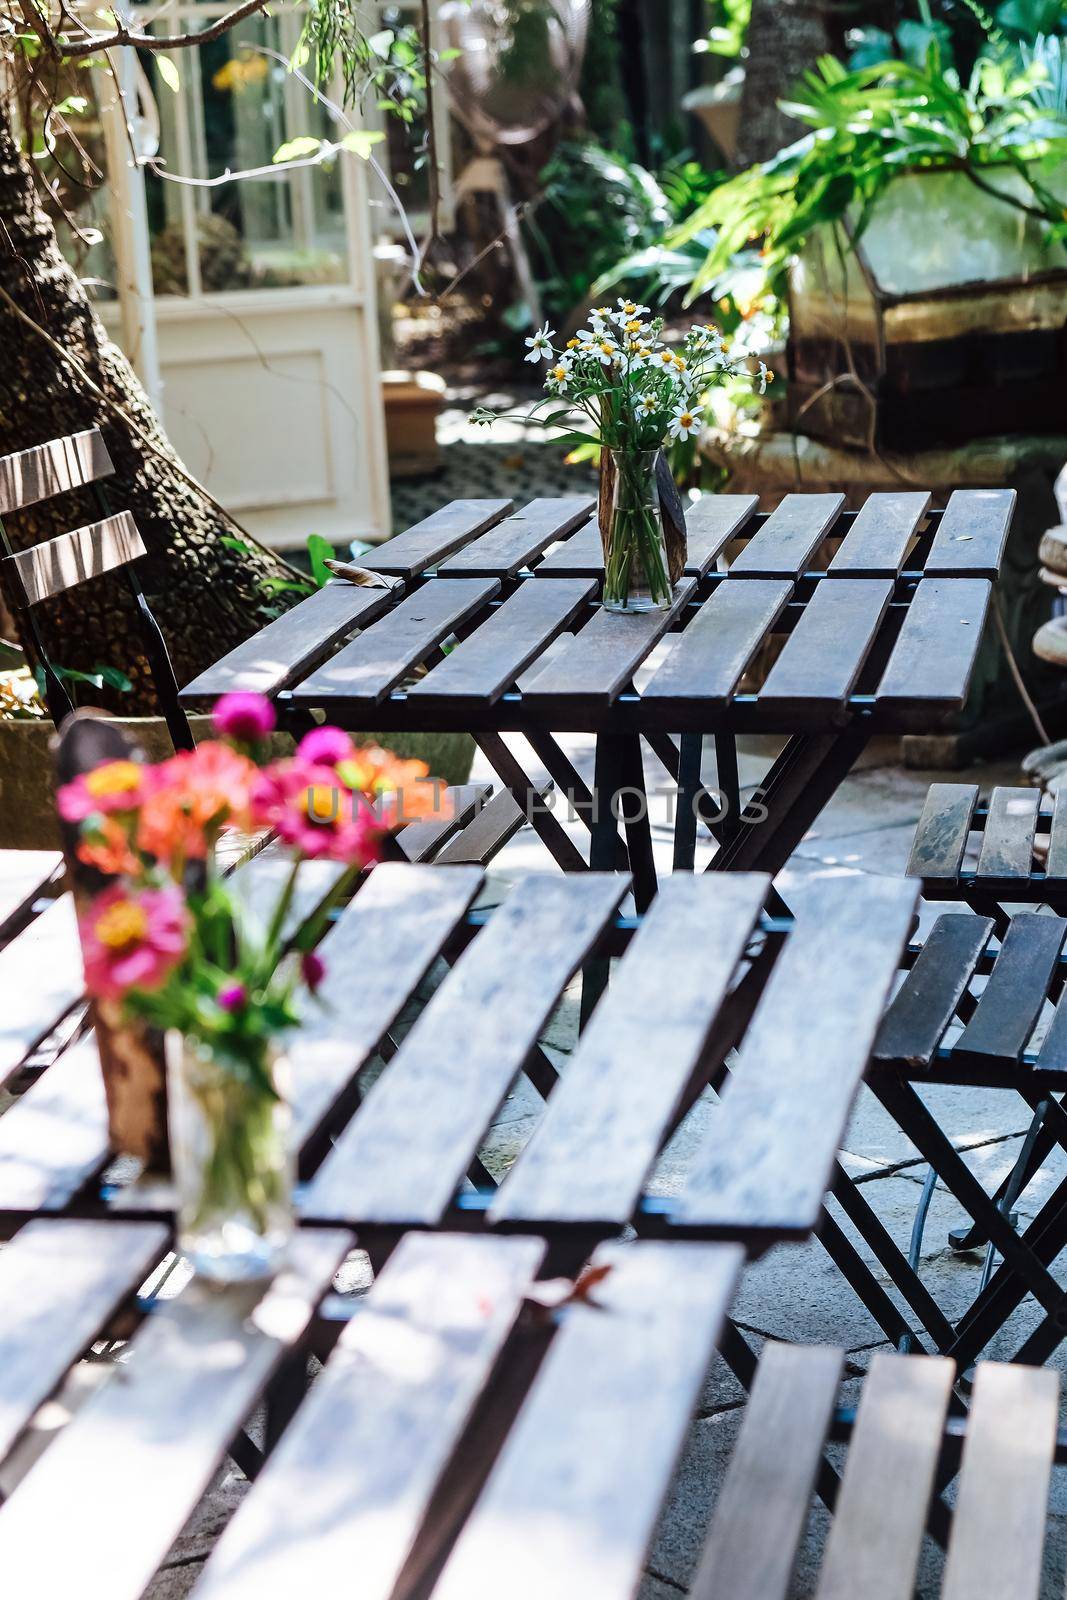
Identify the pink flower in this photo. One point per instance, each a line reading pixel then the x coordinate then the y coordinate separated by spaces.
pixel 311 810
pixel 325 747
pixel 232 997
pixel 313 969
pixel 244 717
pixel 112 786
pixel 132 940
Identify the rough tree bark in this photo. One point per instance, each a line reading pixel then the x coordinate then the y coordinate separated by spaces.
pixel 785 38
pixel 207 596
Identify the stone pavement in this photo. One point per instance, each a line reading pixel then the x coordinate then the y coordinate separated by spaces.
pixel 794 1293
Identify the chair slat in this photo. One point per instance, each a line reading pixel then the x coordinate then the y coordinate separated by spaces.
pixel 789 538
pixel 1008 841
pixel 48 469
pixel 772 1143
pixel 588 1463
pixel 606 1120
pixel 876 1535
pixel 998 1530
pixel 364 671
pixel 436 537
pixel 40 979
pixel 933 658
pixel 824 654
pixel 708 659
pixel 764 1502
pixel 24 875
pixel 941 834
pixel 601 660
pixel 1010 1003
pixel 488 833
pixel 60 1280
pixel 974 530
pixel 131 1465
pixel 520 539
pixel 877 542
pixel 376 955
pixel 279 654
pixel 420 841
pixel 55 1135
pixel 489 660
pixel 403 1156
pixel 59 564
pixel 927 1000
pixel 348 1488
pixel 1056 860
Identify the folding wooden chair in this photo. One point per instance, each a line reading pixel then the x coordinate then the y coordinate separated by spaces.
pixel 40 573
pixel 1018 854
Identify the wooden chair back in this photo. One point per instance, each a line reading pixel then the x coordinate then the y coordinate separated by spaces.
pixel 46 570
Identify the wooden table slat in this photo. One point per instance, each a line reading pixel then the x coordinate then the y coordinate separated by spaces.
pixel 927 1000
pixel 24 875
pixel 60 1281
pixel 375 662
pixel 763 1505
pixel 942 831
pixel 933 658
pixel 711 523
pixel 601 660
pixel 40 979
pixel 785 544
pixel 348 1487
pixel 877 542
pixel 1056 860
pixel 998 1525
pixel 772 1143
pixel 1008 841
pixel 877 1530
pixel 292 644
pixel 489 660
pixel 55 1135
pixel 496 822
pixel 131 1465
pixel 707 660
pixel 403 1156
pixel 974 530
pixel 605 1121
pixel 1011 1002
pixel 420 841
pixel 515 542
pixel 824 654
pixel 435 538
pixel 588 1462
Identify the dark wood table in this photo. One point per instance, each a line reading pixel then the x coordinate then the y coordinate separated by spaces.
pixel 468 1320
pixel 811 622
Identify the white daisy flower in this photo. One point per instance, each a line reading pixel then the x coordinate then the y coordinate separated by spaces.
pixel 558 373
pixel 605 350
pixel 685 421
pixel 630 309
pixel 540 344
pixel 664 358
pixel 647 405
pixel 764 374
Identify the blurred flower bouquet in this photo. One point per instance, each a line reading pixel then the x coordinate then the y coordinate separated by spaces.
pixel 635 392
pixel 169 944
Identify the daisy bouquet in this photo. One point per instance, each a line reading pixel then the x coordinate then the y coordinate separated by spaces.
pixel 170 944
pixel 618 385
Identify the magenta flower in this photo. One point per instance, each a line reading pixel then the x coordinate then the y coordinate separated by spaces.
pixel 112 786
pixel 232 997
pixel 244 717
pixel 313 969
pixel 325 747
pixel 311 810
pixel 132 939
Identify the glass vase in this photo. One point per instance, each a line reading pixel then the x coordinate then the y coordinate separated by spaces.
pixel 233 1171
pixel 631 529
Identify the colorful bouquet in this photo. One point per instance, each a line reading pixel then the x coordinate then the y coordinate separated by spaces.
pixel 168 943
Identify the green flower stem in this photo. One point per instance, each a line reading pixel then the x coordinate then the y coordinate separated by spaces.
pixel 634 559
pixel 244 1173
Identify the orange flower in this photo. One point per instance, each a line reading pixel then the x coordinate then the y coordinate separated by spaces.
pixel 193 797
pixel 107 848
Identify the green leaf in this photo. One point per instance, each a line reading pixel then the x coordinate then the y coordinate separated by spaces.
pixel 361 142
pixel 319 551
pixel 169 73
pixel 114 679
pixel 294 149
pixel 239 545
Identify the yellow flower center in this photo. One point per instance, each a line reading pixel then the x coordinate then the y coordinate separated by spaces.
pixel 122 925
pixel 629 308
pixel 633 327
pixel 572 344
pixel 116 777
pixel 607 347
pixel 320 802
pixel 686 419
pixel 559 373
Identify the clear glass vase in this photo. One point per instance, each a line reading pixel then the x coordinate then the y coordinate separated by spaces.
pixel 631 528
pixel 233 1170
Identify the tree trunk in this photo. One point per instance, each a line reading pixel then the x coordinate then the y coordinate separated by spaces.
pixel 785 38
pixel 208 596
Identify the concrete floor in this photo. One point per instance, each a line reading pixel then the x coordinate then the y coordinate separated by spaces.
pixel 795 1293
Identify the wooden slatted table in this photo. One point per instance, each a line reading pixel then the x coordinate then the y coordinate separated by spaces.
pixel 811 622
